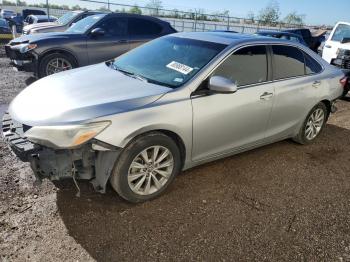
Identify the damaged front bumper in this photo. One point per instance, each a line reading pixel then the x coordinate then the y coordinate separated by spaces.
pixel 21 61
pixel 93 161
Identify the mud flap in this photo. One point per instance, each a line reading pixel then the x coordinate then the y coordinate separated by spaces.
pixel 104 164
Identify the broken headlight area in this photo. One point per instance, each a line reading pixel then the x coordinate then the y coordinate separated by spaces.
pixel 93 160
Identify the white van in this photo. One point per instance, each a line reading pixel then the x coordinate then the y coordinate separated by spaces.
pixel 338 42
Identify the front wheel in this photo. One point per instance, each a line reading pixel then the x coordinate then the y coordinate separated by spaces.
pixel 313 124
pixel 146 167
pixel 55 63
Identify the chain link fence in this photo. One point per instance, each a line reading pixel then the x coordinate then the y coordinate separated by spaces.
pixel 182 21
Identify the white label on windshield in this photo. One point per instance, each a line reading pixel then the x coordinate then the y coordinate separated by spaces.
pixel 183 69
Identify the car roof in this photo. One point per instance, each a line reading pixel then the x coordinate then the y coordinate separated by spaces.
pixel 43 16
pixel 229 38
pixel 278 33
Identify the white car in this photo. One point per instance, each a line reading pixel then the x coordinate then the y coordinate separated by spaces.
pixel 338 42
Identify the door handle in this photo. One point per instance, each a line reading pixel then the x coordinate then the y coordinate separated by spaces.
pixel 328 46
pixel 316 84
pixel 266 96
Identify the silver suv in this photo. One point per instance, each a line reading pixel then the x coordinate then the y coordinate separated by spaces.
pixel 171 104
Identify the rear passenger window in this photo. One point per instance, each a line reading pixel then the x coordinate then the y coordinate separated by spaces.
pixel 288 62
pixel 311 65
pixel 139 26
pixel 246 66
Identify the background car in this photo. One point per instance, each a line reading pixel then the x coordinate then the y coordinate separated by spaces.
pixel 177 102
pixel 6 14
pixel 283 35
pixel 5 31
pixel 17 20
pixel 62 24
pixel 92 40
pixel 33 19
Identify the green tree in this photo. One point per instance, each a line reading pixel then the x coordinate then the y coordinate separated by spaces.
pixel 103 9
pixel 154 6
pixel 10 3
pixel 294 19
pixel 270 14
pixel 135 10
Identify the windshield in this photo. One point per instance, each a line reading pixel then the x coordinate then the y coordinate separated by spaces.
pixel 342 31
pixel 85 24
pixel 67 17
pixel 169 61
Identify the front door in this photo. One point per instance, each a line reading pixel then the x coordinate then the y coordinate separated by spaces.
pixel 223 123
pixel 112 44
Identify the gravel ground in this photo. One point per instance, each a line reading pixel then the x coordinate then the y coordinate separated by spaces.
pixel 282 202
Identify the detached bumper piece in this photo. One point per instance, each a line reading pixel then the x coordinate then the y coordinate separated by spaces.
pixel 85 162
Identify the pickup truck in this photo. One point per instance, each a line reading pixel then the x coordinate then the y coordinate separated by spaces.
pixel 336 49
pixel 313 42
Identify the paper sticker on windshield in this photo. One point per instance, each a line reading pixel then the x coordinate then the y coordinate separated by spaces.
pixel 183 69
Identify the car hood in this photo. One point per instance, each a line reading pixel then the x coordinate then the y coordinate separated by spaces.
pixel 36 37
pixel 80 95
pixel 41 25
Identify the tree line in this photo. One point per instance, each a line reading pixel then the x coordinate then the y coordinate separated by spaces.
pixel 269 15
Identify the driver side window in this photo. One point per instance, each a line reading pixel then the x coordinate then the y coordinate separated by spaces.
pixel 116 26
pixel 246 66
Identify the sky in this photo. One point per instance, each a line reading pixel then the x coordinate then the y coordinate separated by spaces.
pixel 317 12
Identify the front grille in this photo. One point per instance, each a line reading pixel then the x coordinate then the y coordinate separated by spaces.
pixel 343 52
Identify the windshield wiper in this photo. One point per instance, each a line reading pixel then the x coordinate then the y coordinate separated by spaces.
pixel 136 76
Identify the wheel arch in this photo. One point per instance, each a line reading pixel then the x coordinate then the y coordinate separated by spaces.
pixel 58 51
pixel 328 105
pixel 179 141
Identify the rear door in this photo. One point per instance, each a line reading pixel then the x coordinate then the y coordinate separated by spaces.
pixel 110 45
pixel 296 85
pixel 141 30
pixel 333 43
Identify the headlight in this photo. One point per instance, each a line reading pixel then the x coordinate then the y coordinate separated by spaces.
pixel 23 48
pixel 69 136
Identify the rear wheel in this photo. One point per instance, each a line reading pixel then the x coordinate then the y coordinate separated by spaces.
pixel 313 124
pixel 146 167
pixel 55 63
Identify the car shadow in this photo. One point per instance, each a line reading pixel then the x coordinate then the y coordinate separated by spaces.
pixel 241 192
pixel 30 80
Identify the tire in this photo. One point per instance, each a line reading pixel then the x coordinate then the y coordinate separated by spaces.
pixel 136 184
pixel 47 59
pixel 304 136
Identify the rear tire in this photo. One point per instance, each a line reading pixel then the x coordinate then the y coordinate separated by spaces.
pixel 54 63
pixel 313 124
pixel 140 174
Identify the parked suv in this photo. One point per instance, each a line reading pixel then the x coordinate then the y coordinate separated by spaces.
pixel 92 40
pixel 62 24
pixel 179 101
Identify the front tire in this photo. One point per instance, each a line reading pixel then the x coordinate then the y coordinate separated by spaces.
pixel 55 63
pixel 313 124
pixel 146 167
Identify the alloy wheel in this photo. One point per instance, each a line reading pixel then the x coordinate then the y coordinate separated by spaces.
pixel 314 124
pixel 57 65
pixel 150 170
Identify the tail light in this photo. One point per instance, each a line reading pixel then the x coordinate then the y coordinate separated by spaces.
pixel 344 81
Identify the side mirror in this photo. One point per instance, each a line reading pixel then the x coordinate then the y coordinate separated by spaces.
pixel 97 32
pixel 222 85
pixel 345 40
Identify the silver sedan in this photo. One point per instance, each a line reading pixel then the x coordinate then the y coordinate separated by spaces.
pixel 169 105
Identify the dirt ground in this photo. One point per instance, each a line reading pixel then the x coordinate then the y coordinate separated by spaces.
pixel 282 202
